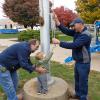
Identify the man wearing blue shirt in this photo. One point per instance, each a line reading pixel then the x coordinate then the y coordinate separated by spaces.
pixel 11 59
pixel 80 52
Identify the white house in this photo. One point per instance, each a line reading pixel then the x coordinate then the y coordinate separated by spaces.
pixel 8 24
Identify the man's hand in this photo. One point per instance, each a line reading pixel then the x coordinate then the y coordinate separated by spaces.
pixel 55 41
pixel 41 70
pixel 56 19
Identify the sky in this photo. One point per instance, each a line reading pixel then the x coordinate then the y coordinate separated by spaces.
pixel 67 3
pixel 57 3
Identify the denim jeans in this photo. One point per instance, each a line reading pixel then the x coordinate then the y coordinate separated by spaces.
pixel 9 83
pixel 81 80
pixel 42 83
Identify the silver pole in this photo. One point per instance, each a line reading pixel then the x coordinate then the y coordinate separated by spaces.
pixel 45 31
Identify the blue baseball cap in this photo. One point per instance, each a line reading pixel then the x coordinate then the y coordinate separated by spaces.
pixel 77 20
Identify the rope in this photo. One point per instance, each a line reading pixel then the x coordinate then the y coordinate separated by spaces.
pixel 53 26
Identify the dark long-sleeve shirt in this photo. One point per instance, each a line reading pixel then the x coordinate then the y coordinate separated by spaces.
pixel 80 45
pixel 16 56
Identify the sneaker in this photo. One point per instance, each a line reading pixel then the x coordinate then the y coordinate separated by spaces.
pixel 44 92
pixel 39 92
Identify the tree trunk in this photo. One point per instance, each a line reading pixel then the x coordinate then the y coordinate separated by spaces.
pixel 25 26
pixel 32 25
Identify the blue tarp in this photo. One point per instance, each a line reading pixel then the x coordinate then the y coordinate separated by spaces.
pixel 6 31
pixel 95 48
pixel 69 59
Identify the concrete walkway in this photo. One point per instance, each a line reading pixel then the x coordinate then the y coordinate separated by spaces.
pixel 7 42
pixel 59 53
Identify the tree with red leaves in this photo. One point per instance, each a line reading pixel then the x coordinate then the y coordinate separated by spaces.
pixel 65 15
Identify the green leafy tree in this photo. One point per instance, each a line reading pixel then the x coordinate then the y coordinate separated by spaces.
pixel 89 10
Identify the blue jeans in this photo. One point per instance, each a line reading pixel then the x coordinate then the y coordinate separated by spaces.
pixel 42 83
pixel 81 80
pixel 9 83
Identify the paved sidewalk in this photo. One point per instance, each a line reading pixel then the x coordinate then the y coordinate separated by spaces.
pixel 7 42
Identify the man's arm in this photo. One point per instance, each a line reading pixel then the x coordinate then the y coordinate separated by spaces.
pixel 79 42
pixel 66 31
pixel 62 27
pixel 23 59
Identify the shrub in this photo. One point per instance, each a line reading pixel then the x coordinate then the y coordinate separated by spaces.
pixel 31 34
pixel 28 34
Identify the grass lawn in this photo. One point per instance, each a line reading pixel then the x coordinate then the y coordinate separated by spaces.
pixel 61 37
pixel 66 73
pixel 7 36
pixel 65 38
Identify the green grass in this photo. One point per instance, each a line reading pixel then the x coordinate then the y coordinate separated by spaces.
pixel 66 73
pixel 7 36
pixel 65 38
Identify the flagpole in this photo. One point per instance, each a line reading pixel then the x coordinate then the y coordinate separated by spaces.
pixel 45 31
